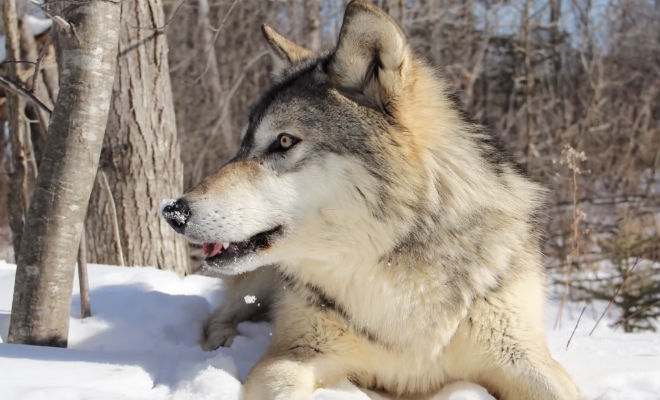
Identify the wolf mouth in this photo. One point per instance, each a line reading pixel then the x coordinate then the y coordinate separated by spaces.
pixel 218 254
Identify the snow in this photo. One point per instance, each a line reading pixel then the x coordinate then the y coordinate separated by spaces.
pixel 38 25
pixel 141 343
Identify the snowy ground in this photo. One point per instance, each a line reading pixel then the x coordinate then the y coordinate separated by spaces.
pixel 141 343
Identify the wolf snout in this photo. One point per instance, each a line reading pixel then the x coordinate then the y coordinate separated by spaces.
pixel 176 213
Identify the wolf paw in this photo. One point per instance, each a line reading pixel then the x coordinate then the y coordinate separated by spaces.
pixel 217 334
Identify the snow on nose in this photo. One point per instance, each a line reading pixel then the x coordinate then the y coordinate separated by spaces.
pixel 164 203
pixel 176 213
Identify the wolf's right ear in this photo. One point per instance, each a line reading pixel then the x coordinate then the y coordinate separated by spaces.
pixel 286 52
pixel 373 56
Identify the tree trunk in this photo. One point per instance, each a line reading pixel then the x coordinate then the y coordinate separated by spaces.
pixel 312 34
pixel 22 166
pixel 529 84
pixel 555 14
pixel 47 256
pixel 211 91
pixel 140 156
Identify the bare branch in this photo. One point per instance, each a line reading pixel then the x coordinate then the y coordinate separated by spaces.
pixel 21 91
pixel 616 293
pixel 575 328
pixel 115 220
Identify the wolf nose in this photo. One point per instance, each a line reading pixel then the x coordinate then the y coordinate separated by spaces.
pixel 176 213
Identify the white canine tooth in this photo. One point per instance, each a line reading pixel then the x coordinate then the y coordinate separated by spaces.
pixel 225 245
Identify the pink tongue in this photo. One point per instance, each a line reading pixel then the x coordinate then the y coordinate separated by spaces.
pixel 211 249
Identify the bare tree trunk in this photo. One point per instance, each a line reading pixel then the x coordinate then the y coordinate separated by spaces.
pixel 555 14
pixel 45 267
pixel 22 165
pixel 140 157
pixel 529 83
pixel 36 86
pixel 211 90
pixel 312 34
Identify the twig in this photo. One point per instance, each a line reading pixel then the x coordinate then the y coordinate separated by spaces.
pixel 16 62
pixel 616 293
pixel 157 30
pixel 135 45
pixel 115 220
pixel 575 328
pixel 21 91
pixel 37 67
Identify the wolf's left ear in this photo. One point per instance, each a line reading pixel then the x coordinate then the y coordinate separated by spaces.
pixel 372 55
pixel 285 51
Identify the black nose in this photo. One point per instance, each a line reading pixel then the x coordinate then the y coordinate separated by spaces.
pixel 177 214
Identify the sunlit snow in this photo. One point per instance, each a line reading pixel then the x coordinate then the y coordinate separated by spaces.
pixel 141 343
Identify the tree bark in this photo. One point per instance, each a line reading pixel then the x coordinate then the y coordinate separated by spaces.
pixel 312 34
pixel 211 91
pixel 47 256
pixel 36 86
pixel 529 84
pixel 140 156
pixel 22 166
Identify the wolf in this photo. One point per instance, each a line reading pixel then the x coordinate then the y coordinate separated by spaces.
pixel 397 240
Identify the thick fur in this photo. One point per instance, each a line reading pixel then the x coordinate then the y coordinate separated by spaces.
pixel 405 239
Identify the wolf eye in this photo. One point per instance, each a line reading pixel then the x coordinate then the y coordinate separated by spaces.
pixel 286 141
pixel 283 142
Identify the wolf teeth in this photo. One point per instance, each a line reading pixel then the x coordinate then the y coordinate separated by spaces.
pixel 225 245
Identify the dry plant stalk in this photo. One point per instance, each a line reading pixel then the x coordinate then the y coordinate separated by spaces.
pixel 572 159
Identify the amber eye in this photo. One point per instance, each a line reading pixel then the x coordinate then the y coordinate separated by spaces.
pixel 283 143
pixel 286 140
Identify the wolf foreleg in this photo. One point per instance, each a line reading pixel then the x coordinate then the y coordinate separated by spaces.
pixel 513 360
pixel 540 379
pixel 247 297
pixel 291 376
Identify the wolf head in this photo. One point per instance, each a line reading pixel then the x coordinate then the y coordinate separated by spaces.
pixel 342 159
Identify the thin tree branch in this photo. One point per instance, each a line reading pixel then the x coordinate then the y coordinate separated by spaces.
pixel 139 43
pixel 575 328
pixel 21 91
pixel 616 293
pixel 115 219
pixel 37 67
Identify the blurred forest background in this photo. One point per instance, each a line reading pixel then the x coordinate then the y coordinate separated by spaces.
pixel 571 86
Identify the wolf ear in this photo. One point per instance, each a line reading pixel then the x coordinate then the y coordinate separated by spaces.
pixel 285 51
pixel 372 55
